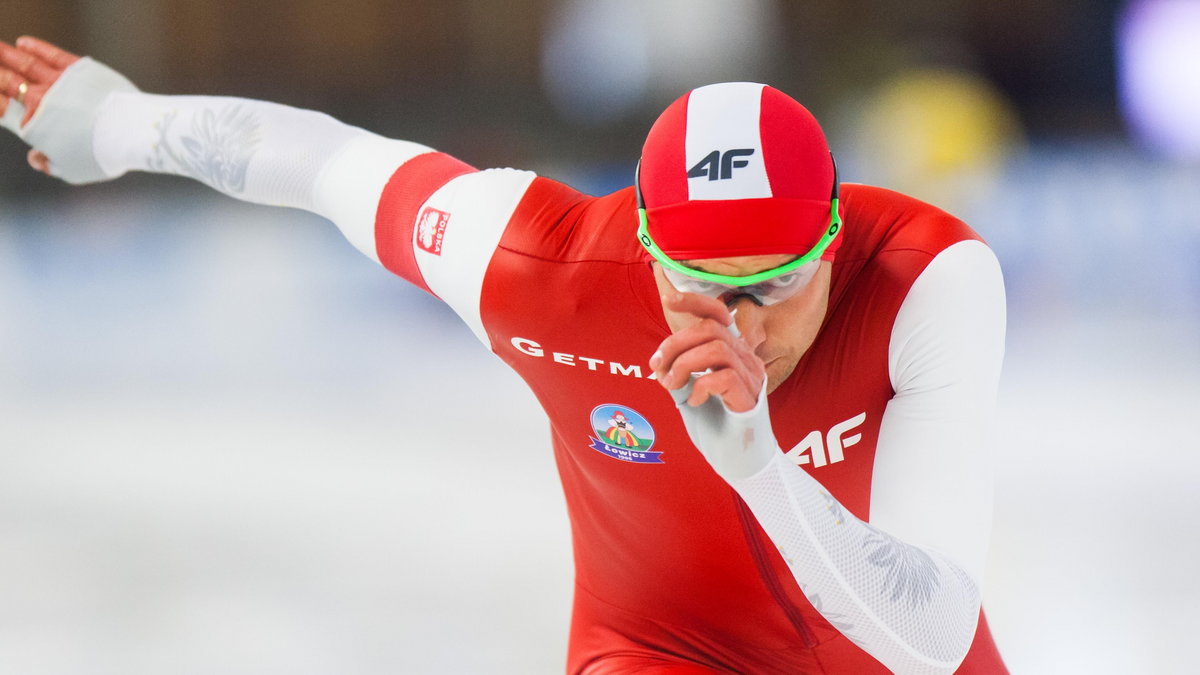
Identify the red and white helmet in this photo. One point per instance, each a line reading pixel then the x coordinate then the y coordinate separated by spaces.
pixel 737 169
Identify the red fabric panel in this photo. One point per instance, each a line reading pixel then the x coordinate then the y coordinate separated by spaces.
pixel 797 157
pixel 719 229
pixel 794 149
pixel 664 158
pixel 412 184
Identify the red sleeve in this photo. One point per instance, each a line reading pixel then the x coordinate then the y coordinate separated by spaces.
pixel 409 187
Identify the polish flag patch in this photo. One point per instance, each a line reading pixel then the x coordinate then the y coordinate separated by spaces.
pixel 431 228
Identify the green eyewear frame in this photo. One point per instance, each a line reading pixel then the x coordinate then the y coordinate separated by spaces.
pixel 643 234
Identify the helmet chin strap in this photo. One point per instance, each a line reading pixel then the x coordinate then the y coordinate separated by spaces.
pixel 733 299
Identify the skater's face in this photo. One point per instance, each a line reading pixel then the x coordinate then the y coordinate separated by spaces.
pixel 778 333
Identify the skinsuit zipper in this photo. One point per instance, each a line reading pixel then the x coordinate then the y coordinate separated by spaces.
pixel 769 577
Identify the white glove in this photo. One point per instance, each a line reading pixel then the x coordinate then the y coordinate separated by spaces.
pixel 738 445
pixel 64 123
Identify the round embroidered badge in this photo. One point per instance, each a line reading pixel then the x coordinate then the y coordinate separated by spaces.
pixel 622 433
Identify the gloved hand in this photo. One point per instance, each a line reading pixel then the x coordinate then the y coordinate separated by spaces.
pixel 706 364
pixel 737 444
pixel 63 95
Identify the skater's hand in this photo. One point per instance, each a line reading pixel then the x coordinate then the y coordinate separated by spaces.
pixel 53 99
pixel 27 71
pixel 723 364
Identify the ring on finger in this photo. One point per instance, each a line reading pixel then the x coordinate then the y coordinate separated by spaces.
pixel 21 90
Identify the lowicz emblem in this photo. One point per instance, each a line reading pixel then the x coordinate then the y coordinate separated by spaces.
pixel 719 166
pixel 622 433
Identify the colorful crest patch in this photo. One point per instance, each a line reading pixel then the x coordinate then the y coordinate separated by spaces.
pixel 622 433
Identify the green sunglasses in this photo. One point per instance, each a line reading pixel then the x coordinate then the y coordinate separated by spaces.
pixel 643 234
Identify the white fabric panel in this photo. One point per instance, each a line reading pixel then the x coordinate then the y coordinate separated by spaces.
pixel 471 213
pixel 932 482
pixel 256 151
pixel 125 131
pixel 722 118
pixel 912 609
pixel 348 189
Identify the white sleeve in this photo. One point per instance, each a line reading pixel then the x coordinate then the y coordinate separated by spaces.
pixel 256 151
pixel 95 125
pixel 907 587
pixel 944 361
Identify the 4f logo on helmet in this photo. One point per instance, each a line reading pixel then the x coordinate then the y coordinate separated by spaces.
pixel 719 165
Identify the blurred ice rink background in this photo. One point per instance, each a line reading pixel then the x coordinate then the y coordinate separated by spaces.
pixel 231 444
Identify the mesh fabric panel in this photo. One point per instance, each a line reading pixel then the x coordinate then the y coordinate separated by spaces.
pixel 909 607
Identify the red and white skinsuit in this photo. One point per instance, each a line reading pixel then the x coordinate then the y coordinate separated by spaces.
pixel 889 410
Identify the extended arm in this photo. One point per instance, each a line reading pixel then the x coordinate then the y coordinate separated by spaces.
pixel 94 125
pixel 906 586
pixel 256 151
pixel 394 200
